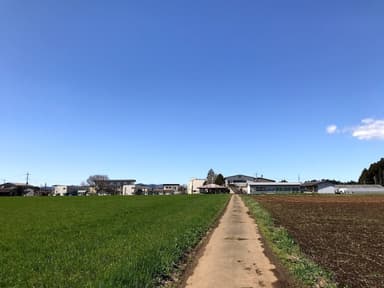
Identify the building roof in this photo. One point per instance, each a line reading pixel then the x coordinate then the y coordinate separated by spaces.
pixel 248 178
pixel 11 184
pixel 314 183
pixel 360 186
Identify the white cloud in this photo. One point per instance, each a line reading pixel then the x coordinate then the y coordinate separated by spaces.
pixel 331 129
pixel 369 129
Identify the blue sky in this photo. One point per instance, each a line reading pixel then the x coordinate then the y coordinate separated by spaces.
pixel 162 91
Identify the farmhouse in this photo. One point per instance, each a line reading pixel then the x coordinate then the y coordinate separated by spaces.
pixel 17 189
pixel 273 187
pixel 359 189
pixel 321 187
pixel 194 184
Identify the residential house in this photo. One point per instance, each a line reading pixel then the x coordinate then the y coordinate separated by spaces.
pixel 18 189
pixel 170 189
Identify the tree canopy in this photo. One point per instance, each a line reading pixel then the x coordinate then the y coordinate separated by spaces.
pixel 219 180
pixel 211 176
pixel 374 174
pixel 91 179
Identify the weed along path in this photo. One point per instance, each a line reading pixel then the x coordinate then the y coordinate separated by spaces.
pixel 234 255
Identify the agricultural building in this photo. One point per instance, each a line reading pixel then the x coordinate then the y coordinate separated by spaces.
pixel 321 187
pixel 194 184
pixel 243 180
pixel 359 189
pixel 273 187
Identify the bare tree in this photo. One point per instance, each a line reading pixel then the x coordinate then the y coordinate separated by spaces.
pixel 91 179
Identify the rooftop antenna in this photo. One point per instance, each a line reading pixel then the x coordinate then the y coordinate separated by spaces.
pixel 298 178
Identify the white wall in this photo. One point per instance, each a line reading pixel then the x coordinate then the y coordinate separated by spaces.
pixel 128 190
pixel 193 184
pixel 326 189
pixel 60 190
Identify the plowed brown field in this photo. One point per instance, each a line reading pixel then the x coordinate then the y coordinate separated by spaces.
pixel 344 234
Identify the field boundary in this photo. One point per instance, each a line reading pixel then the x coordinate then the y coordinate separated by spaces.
pixel 190 259
pixel 303 271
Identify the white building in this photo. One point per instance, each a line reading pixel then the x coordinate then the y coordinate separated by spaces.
pixel 321 187
pixel 60 190
pixel 273 187
pixel 359 189
pixel 170 189
pixel 128 190
pixel 243 180
pixel 194 184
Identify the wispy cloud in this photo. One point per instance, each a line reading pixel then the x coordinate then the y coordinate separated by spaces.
pixel 331 129
pixel 369 129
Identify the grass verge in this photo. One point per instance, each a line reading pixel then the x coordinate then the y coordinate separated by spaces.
pixel 305 272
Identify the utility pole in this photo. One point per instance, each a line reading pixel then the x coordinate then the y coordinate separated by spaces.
pixel 27 177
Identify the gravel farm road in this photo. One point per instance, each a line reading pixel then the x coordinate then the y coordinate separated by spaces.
pixel 234 255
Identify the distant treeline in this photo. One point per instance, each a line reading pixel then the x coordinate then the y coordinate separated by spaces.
pixel 373 175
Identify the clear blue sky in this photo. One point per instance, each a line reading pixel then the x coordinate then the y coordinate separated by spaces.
pixel 161 91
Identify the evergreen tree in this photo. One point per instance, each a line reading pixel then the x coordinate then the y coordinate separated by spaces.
pixel 219 180
pixel 374 174
pixel 211 176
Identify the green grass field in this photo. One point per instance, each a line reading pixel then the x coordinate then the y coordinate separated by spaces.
pixel 99 241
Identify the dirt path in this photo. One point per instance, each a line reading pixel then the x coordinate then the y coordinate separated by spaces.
pixel 234 255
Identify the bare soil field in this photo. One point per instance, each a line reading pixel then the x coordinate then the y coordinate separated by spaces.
pixel 344 234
